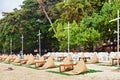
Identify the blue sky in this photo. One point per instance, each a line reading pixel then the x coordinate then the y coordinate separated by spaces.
pixel 9 5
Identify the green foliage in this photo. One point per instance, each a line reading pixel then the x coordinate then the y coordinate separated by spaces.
pixel 73 10
pixel 89 22
pixel 79 35
pixel 27 21
pixel 91 28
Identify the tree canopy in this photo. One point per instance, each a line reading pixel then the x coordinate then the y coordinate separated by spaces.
pixel 89 24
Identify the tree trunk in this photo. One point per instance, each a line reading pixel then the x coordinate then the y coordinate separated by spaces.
pixel 48 18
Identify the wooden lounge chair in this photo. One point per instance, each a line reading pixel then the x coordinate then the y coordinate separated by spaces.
pixel 8 58
pixel 94 59
pixel 3 57
pixel 67 64
pixel 114 60
pixel 17 60
pixel 31 60
pixel 79 68
pixel 40 62
pixel 49 63
pixel 13 58
pixel 61 57
pixel 24 61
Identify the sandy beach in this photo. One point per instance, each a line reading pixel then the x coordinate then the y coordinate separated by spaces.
pixel 24 73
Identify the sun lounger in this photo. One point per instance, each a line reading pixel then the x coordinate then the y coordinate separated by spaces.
pixel 49 63
pixel 79 68
pixel 94 59
pixel 84 58
pixel 23 61
pixel 65 66
pixel 39 63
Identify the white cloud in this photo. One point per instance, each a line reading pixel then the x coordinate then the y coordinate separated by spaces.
pixel 9 5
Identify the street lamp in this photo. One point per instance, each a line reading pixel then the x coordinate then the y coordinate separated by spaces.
pixel 22 42
pixel 117 29
pixel 117 19
pixel 109 43
pixel 11 45
pixel 39 42
pixel 66 1
pixel 109 1
pixel 68 37
pixel 109 30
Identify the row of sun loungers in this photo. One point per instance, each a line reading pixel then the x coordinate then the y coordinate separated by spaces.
pixel 65 64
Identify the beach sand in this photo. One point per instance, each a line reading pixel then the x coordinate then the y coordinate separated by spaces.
pixel 24 73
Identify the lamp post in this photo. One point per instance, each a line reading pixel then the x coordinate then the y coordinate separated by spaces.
pixel 22 42
pixel 117 29
pixel 117 19
pixel 109 42
pixel 11 45
pixel 66 1
pixel 68 37
pixel 39 42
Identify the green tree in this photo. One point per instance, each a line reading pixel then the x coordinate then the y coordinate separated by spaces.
pixel 19 22
pixel 79 36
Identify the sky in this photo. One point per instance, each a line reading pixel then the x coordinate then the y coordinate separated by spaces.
pixel 9 5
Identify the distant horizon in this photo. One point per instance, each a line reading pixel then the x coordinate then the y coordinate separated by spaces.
pixel 9 5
